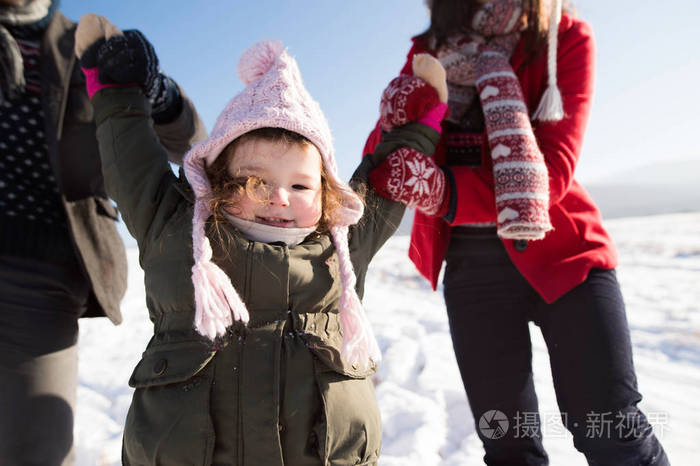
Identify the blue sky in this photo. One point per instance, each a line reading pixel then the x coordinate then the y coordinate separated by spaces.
pixel 648 68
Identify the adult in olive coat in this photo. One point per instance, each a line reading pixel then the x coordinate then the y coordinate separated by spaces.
pixel 53 273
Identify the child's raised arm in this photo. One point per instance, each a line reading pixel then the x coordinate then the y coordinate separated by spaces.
pixel 400 171
pixel 142 119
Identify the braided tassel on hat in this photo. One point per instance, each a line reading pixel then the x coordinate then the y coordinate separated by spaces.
pixel 551 107
pixel 216 302
pixel 359 344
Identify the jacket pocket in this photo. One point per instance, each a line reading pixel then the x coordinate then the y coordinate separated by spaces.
pixel 324 336
pixel 169 420
pixel 350 429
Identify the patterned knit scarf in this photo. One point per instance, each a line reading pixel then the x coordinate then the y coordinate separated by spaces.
pixel 34 12
pixel 481 64
pixel 495 21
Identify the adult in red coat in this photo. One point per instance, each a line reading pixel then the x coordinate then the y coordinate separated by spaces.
pixel 561 276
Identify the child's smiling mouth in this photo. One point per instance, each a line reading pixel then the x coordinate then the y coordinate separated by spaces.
pixel 275 221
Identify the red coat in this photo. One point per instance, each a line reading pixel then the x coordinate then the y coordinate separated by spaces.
pixel 562 260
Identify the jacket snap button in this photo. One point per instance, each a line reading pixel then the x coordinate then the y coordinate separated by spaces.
pixel 520 244
pixel 160 366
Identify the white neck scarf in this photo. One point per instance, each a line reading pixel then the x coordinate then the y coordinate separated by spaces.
pixel 268 233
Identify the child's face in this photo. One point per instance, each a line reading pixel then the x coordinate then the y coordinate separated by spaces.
pixel 291 178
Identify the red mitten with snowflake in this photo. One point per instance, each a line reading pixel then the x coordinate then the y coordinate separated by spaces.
pixel 411 177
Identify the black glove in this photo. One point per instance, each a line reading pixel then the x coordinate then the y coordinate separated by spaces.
pixel 129 59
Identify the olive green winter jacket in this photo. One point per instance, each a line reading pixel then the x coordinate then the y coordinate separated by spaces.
pixel 275 391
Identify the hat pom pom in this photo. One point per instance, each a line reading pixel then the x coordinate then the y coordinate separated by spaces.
pixel 258 60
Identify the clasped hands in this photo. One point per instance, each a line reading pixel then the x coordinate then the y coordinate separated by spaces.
pixel 408 175
pixel 112 58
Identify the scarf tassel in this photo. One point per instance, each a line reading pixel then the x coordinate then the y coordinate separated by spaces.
pixel 551 107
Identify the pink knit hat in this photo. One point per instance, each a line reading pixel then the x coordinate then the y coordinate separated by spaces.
pixel 274 97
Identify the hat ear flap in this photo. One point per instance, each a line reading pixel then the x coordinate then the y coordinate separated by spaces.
pixel 217 304
pixel 360 348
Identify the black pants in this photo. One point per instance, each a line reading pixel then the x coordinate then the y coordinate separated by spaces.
pixel 489 305
pixel 39 308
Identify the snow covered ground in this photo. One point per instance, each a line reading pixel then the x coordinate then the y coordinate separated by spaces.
pixel 426 416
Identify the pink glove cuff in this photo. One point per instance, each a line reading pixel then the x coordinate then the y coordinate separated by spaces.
pixel 434 116
pixel 93 84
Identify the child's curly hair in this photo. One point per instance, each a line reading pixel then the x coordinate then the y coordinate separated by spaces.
pixel 227 191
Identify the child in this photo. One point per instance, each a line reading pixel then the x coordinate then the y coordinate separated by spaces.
pixel 265 250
